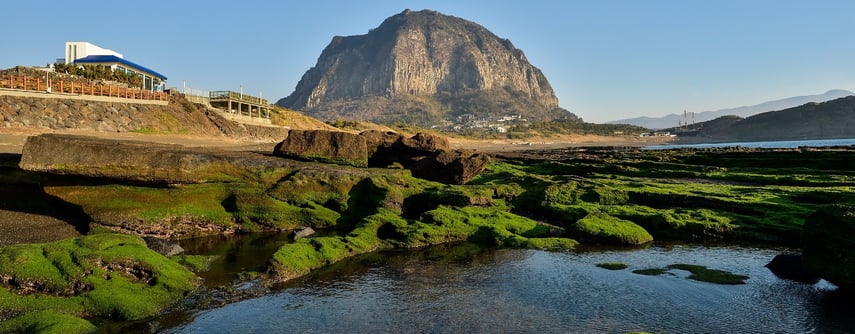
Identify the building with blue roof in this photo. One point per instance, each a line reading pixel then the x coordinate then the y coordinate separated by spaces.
pixel 84 53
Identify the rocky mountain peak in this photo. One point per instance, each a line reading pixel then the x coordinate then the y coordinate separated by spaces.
pixel 424 67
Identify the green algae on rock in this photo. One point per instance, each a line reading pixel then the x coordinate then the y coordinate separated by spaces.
pixel 47 322
pixel 613 265
pixel 387 230
pixel 101 275
pixel 697 273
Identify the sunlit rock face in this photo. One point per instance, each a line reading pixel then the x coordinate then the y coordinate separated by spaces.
pixel 422 67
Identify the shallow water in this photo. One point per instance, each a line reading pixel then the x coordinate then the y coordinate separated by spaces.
pixel 466 289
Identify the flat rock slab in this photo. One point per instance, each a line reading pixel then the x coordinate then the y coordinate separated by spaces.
pixel 324 146
pixel 134 160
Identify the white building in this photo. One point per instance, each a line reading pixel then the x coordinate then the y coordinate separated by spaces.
pixel 85 53
pixel 77 50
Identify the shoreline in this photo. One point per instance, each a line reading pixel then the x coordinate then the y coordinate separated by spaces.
pixel 12 141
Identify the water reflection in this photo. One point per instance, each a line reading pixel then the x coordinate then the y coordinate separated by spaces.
pixel 235 254
pixel 466 289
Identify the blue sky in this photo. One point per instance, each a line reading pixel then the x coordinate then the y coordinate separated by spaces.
pixel 606 59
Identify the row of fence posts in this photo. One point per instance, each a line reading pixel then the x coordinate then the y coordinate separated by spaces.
pixel 37 84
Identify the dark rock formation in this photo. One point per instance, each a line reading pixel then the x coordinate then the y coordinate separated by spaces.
pixel 163 247
pixel 829 249
pixel 791 267
pixel 423 67
pixel 387 148
pixel 451 167
pixel 135 161
pixel 324 146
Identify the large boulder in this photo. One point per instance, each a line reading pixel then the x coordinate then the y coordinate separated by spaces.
pixel 451 167
pixel 380 140
pixel 425 142
pixel 123 160
pixel 336 147
pixel 386 148
pixel 829 248
pixel 791 267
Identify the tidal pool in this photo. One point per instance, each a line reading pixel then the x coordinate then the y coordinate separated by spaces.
pixel 462 289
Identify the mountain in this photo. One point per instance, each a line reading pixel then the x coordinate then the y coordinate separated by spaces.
pixel 426 68
pixel 672 119
pixel 825 120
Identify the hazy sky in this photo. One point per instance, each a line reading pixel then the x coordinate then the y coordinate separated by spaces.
pixel 606 60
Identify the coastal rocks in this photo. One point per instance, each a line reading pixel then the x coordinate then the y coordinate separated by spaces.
pixel 428 156
pixel 306 232
pixel 134 161
pixel 791 267
pixel 386 148
pixel 829 249
pixel 451 167
pixel 163 247
pixel 324 146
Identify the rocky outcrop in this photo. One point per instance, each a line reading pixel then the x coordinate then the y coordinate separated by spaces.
pixel 791 267
pixel 324 146
pixel 387 148
pixel 451 167
pixel 163 246
pixel 134 161
pixel 829 249
pixel 423 67
pixel 427 155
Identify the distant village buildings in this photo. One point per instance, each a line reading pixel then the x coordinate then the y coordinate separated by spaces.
pixel 85 53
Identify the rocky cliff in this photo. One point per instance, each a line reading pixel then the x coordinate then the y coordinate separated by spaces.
pixel 423 67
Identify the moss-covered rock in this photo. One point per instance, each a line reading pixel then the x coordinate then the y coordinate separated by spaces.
pixel 603 228
pixel 47 322
pixel 387 230
pixel 829 247
pixel 101 275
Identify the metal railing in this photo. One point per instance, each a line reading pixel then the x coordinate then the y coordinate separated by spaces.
pixel 28 83
pixel 230 95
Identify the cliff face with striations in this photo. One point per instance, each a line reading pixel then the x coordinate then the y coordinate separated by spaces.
pixel 423 67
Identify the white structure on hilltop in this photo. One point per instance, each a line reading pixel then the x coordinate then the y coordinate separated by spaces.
pixel 77 50
pixel 85 53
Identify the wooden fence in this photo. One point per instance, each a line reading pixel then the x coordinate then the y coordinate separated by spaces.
pixel 29 83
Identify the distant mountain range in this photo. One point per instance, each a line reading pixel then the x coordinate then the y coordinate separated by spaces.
pixel 746 111
pixel 825 120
